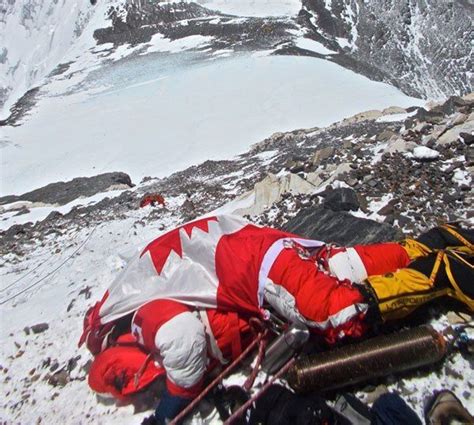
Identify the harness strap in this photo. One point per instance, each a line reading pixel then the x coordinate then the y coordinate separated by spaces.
pixel 458 292
pixel 140 371
pixel 436 266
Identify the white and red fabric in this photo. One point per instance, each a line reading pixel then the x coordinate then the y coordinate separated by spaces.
pixel 184 340
pixel 226 265
pixel 176 335
pixel 214 262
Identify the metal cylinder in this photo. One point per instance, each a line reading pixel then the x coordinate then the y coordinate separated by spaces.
pixel 284 347
pixel 375 357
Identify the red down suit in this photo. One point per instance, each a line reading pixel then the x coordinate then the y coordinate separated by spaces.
pixel 186 286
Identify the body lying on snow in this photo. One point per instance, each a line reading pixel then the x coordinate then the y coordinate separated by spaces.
pixel 183 306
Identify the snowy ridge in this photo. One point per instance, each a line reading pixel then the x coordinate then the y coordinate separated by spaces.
pixel 424 49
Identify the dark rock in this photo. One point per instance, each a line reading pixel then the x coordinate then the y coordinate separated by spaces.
pixel 403 221
pixel 340 227
pixel 342 199
pixel 64 192
pixel 22 211
pixel 432 116
pixel 453 104
pixel 470 156
pixel 39 328
pixel 467 138
pixel 71 305
pixel 188 205
pixel 59 379
pixel 386 210
pixel 72 363
pixel 352 181
pixel 53 215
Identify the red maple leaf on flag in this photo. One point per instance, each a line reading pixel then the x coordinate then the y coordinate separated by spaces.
pixel 161 248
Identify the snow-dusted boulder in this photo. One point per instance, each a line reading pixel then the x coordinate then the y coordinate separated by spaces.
pixel 271 189
pixel 422 153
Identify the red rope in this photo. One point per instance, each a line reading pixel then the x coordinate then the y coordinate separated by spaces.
pixel 261 353
pixel 219 378
pixel 254 398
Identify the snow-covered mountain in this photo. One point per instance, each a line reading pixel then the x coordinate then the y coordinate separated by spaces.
pixel 424 48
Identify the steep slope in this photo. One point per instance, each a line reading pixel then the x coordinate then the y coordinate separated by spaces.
pixel 406 170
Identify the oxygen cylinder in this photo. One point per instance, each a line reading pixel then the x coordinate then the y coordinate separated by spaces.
pixel 284 347
pixel 375 357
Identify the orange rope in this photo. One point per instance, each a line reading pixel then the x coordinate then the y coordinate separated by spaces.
pixel 219 378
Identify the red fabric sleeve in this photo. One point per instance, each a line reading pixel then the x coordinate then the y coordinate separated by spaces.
pixel 382 258
pixel 333 308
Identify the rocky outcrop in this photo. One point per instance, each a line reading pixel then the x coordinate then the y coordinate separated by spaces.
pixel 424 49
pixel 421 47
pixel 64 192
pixel 135 24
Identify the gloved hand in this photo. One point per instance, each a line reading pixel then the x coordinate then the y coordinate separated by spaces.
pixel 149 421
pixel 169 407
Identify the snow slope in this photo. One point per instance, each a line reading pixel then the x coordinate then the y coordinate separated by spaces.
pixel 152 115
pixel 254 7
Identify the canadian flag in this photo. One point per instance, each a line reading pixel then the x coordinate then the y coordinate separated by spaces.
pixel 214 262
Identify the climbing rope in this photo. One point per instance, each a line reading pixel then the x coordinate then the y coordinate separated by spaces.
pixel 28 273
pixel 52 271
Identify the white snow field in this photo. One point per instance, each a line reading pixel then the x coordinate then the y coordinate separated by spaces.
pixel 156 114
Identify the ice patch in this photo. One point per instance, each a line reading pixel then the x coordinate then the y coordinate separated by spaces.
pixel 255 8
pixel 314 46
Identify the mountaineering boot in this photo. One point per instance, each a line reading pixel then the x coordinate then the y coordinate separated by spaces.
pixel 440 237
pixel 445 408
pixel 434 275
pixel 448 235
